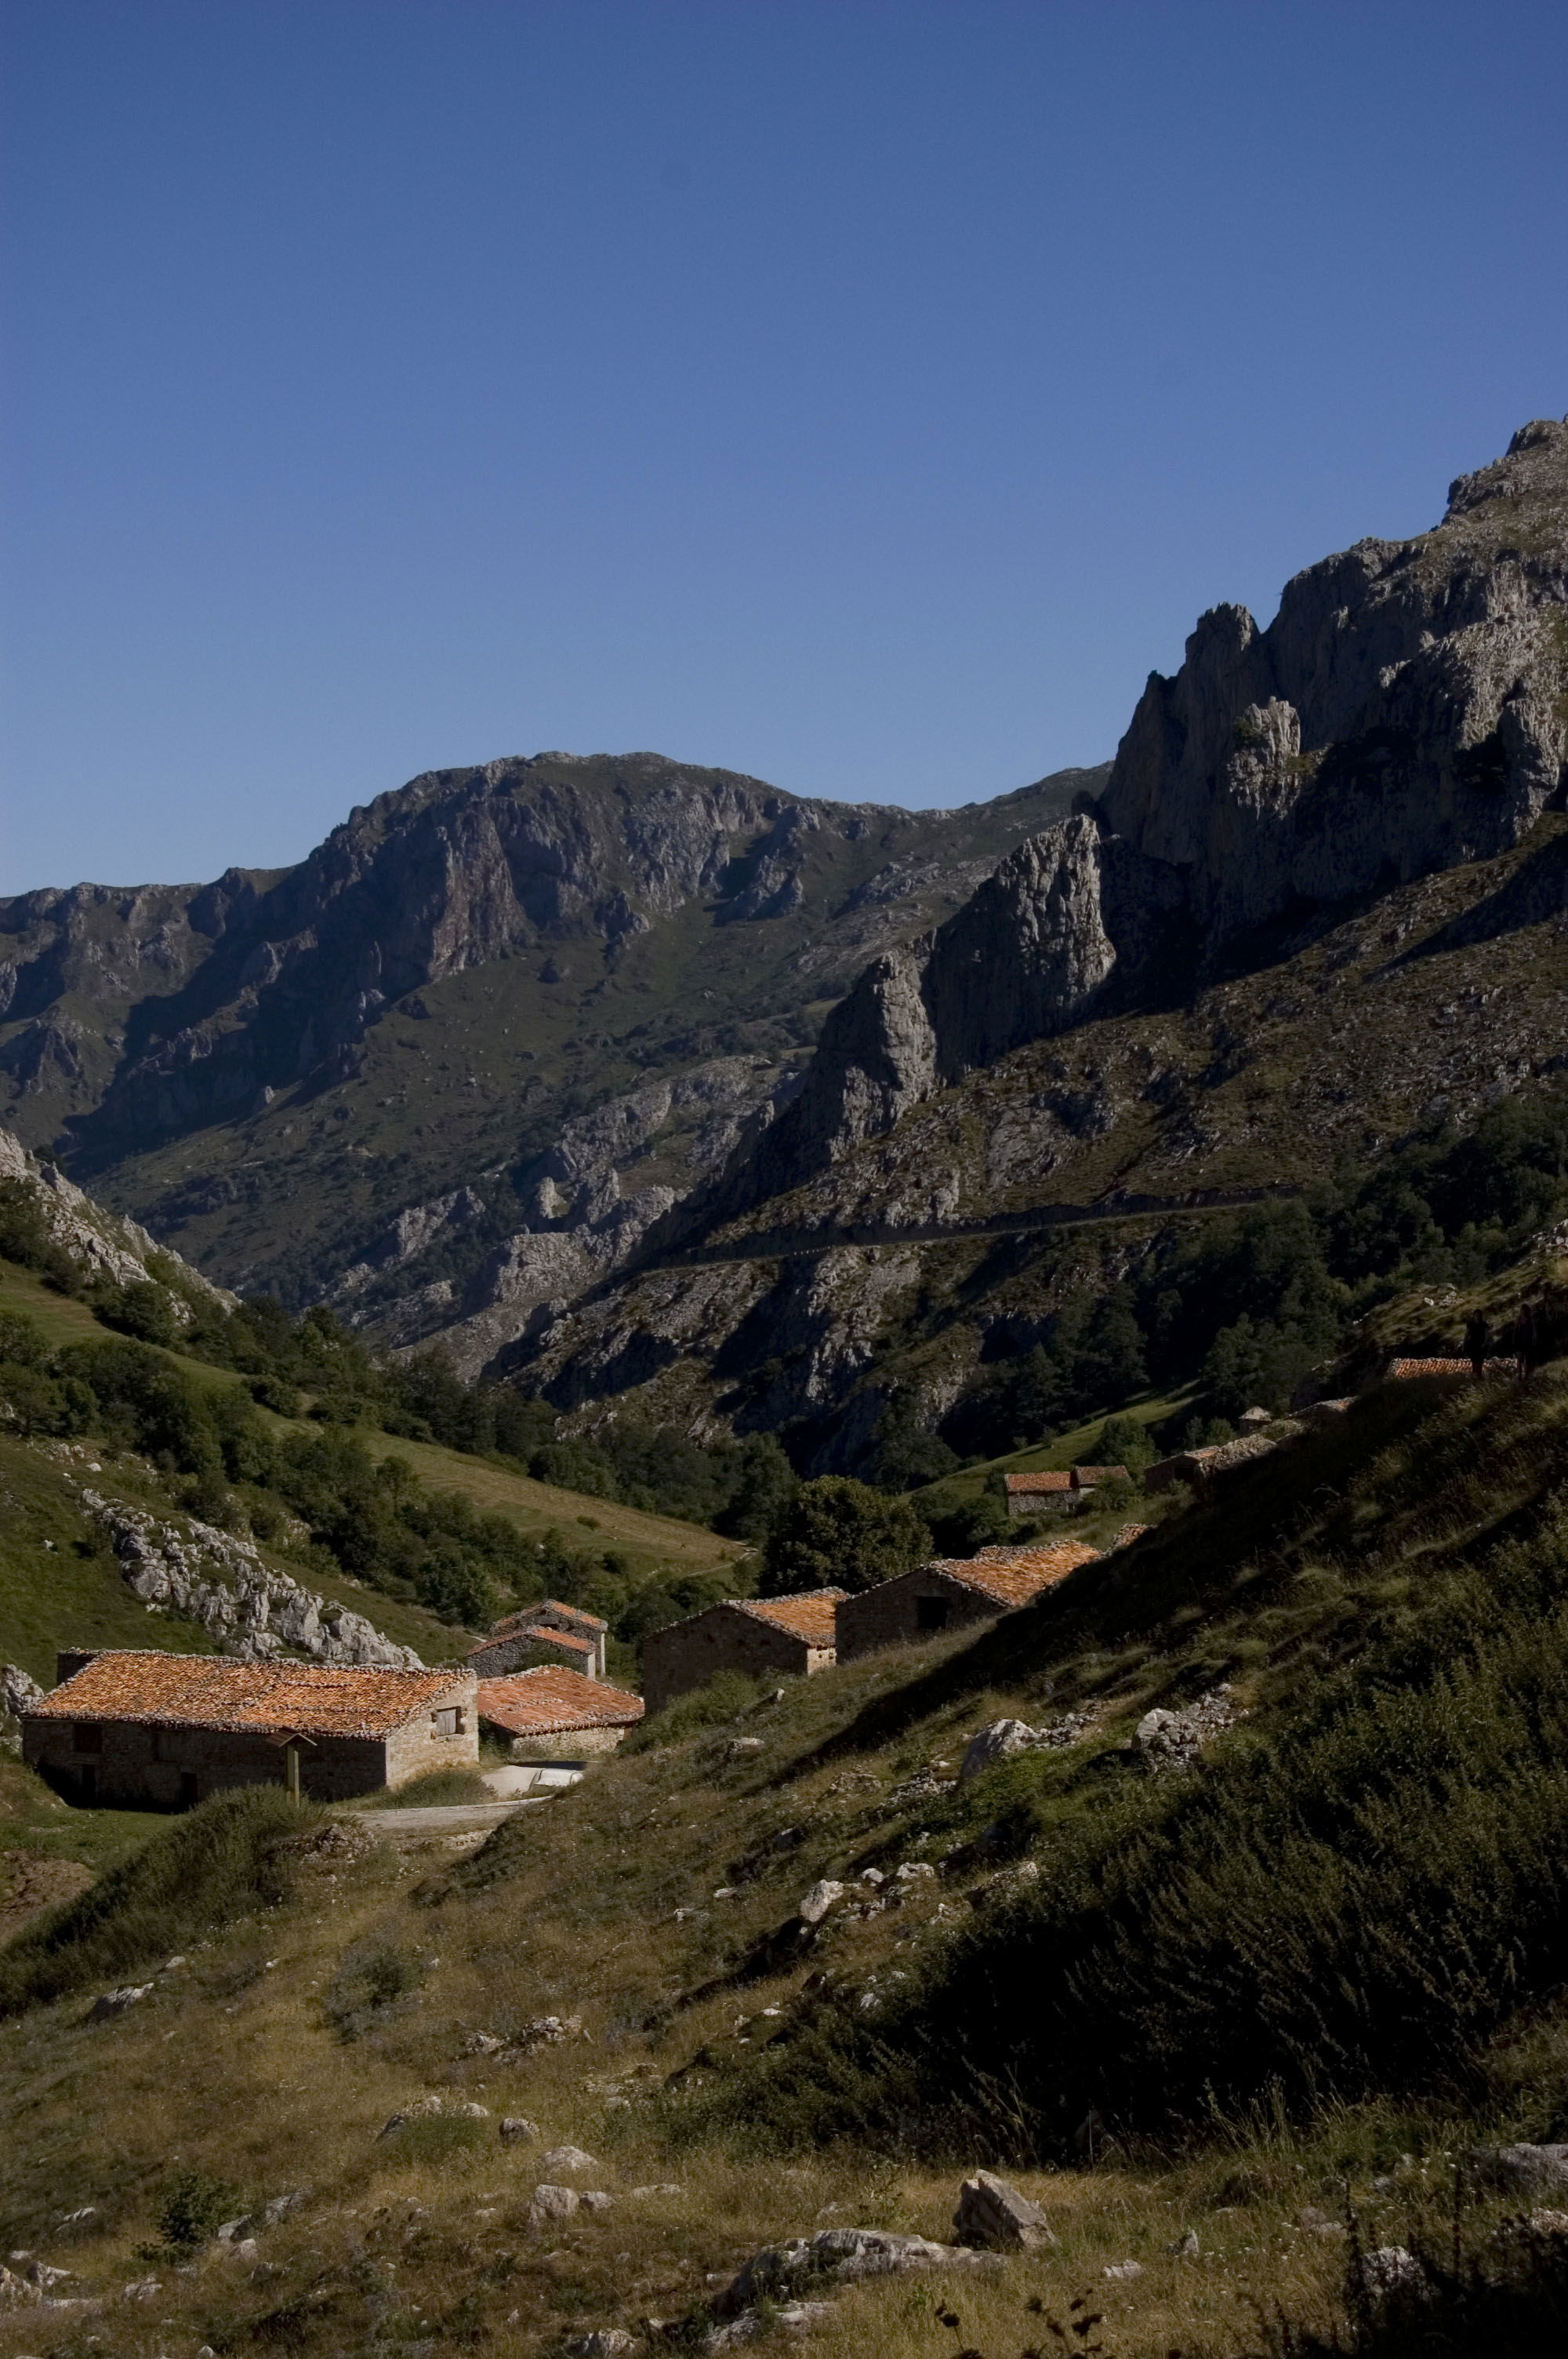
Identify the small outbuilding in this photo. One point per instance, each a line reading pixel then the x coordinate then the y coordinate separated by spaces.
pixel 1190 1467
pixel 953 1594
pixel 550 1714
pixel 166 1731
pixel 548 1632
pixel 794 1636
pixel 1064 1493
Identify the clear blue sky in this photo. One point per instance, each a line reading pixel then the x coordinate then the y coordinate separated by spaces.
pixel 865 395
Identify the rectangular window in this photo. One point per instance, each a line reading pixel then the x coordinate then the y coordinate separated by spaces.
pixel 88 1737
pixel 444 1723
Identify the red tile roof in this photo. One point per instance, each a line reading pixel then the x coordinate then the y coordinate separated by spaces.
pixel 1011 1577
pixel 808 1614
pixel 1078 1478
pixel 541 1632
pixel 200 1691
pixel 553 1699
pixel 527 1614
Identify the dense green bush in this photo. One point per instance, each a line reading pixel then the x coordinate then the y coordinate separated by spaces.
pixel 838 1534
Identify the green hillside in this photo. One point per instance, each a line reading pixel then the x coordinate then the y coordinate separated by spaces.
pixel 1386 1600
pixel 60 1582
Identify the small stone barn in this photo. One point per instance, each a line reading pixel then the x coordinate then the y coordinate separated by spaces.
pixel 546 1631
pixel 756 1635
pixel 1057 1494
pixel 953 1592
pixel 165 1730
pixel 553 1715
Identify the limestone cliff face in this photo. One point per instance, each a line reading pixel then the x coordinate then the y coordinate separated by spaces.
pixel 1403 711
pixel 102 1245
pixel 1406 711
pixel 250 984
pixel 348 1078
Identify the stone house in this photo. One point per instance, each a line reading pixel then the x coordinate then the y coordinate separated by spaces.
pixel 166 1731
pixel 542 1633
pixel 954 1593
pixel 550 1714
pixel 1183 1466
pixel 757 1635
pixel 1057 1494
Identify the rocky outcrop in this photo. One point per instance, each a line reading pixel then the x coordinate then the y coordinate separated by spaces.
pixel 252 1610
pixel 592 1197
pixel 102 1245
pixel 633 919
pixel 1406 711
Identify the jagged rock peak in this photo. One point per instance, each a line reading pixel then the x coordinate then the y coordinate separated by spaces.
pixel 1406 711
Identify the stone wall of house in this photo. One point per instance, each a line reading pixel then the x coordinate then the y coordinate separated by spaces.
pixel 524 1650
pixel 419 1747
pixel 170 1768
pixel 720 1639
pixel 890 1614
pixel 567 1745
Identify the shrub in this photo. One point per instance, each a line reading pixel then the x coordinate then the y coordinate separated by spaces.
pixel 840 1534
pixel 193 2206
pixel 725 1697
pixel 231 1854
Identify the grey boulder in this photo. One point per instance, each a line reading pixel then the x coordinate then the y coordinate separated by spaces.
pixel 840 2256
pixel 992 2212
pixel 1527 2169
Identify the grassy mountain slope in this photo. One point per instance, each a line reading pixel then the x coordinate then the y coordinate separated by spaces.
pixel 71 1594
pixel 654 1903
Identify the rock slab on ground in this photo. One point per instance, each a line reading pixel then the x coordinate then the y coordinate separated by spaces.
pixel 840 2256
pixel 992 2213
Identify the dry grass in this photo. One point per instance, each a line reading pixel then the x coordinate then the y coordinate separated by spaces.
pixel 274 2056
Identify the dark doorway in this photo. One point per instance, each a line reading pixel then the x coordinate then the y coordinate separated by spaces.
pixel 189 1792
pixel 931 1613
pixel 87 1785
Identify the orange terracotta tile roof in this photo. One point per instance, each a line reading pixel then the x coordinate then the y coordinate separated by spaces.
pixel 526 1614
pixel 1430 1368
pixel 1011 1577
pixel 808 1614
pixel 201 1692
pixel 1025 1485
pixel 541 1632
pixel 553 1699
pixel 1085 1476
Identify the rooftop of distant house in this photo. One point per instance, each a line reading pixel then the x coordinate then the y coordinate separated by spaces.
pixel 807 1615
pixel 523 1625
pixel 203 1692
pixel 525 1614
pixel 1075 1478
pixel 553 1699
pixel 1012 1577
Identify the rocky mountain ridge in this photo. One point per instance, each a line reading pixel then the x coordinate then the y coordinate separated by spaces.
pixel 1264 945
pixel 463 970
pixel 1406 711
